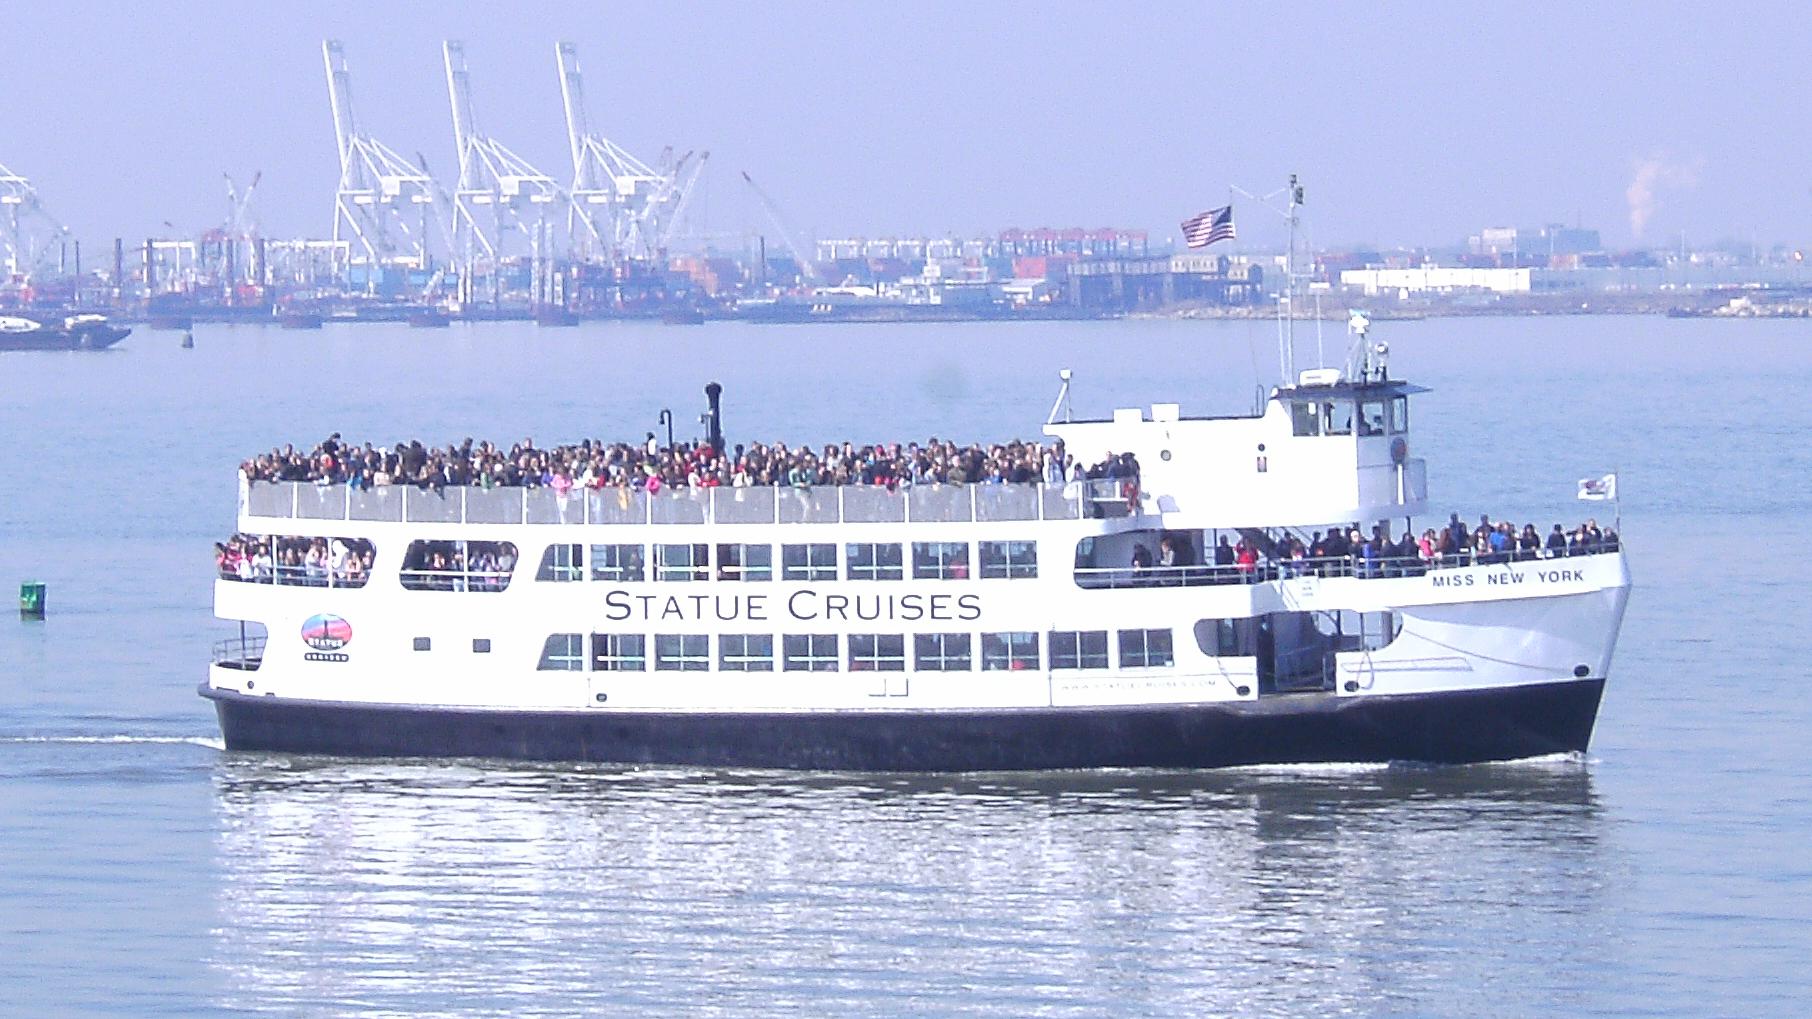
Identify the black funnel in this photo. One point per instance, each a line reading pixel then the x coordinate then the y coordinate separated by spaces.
pixel 714 419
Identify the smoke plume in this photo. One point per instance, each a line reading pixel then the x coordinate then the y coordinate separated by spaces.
pixel 1653 174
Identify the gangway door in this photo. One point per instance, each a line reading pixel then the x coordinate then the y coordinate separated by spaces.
pixel 1295 655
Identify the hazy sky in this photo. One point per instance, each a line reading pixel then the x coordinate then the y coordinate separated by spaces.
pixel 1409 123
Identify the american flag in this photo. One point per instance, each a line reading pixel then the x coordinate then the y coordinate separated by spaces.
pixel 1204 229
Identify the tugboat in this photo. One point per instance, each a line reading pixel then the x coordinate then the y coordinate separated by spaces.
pixel 74 332
pixel 918 625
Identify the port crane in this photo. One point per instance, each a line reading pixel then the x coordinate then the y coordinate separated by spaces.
pixel 21 206
pixel 378 188
pixel 618 204
pixel 498 192
pixel 806 269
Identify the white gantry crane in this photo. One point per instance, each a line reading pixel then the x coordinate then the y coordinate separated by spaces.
pixel 498 193
pixel 619 205
pixel 384 205
pixel 25 220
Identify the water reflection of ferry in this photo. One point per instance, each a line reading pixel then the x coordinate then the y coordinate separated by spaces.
pixel 473 880
pixel 944 627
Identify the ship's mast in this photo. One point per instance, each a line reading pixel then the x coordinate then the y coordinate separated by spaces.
pixel 1286 307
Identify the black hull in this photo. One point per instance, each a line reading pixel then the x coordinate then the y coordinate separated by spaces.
pixel 1444 728
pixel 91 338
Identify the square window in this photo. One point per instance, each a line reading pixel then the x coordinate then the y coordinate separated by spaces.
pixel 940 560
pixel 745 562
pixel 745 652
pixel 1011 652
pixel 619 652
pixel 682 562
pixel 1009 559
pixel 1078 649
pixel 877 652
pixel 423 644
pixel 481 645
pixel 941 652
pixel 817 561
pixel 1144 649
pixel 875 561
pixel 810 652
pixel 620 563
pixel 682 652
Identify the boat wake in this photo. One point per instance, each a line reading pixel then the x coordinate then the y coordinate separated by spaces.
pixel 210 742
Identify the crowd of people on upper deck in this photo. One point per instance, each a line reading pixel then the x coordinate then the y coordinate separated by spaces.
pixel 594 464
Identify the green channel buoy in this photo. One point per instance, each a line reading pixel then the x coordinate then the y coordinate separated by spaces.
pixel 31 600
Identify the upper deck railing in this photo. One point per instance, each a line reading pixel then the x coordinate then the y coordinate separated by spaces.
pixel 826 504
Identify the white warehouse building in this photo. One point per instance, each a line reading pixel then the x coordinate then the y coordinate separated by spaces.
pixel 1437 277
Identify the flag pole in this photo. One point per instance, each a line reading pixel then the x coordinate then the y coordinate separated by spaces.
pixel 1617 504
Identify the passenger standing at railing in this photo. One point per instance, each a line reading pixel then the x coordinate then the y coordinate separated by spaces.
pixel 1528 545
pixel 1498 542
pixel 1459 538
pixel 314 564
pixel 1141 564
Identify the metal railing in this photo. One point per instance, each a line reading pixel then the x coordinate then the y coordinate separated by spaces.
pixel 297 576
pixel 455 580
pixel 765 505
pixel 244 653
pixel 1388 567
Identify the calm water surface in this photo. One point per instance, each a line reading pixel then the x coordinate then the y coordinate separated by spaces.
pixel 143 871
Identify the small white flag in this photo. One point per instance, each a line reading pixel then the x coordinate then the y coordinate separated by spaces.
pixel 1598 489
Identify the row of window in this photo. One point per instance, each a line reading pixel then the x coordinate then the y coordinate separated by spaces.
pixel 862 652
pixel 864 560
pixel 1336 417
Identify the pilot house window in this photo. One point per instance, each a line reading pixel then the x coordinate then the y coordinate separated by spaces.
pixel 1305 419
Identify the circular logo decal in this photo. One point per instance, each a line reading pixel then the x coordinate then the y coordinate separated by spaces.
pixel 326 632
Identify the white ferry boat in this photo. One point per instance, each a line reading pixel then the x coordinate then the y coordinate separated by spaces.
pixel 935 627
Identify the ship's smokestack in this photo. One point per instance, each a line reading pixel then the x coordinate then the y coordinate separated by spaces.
pixel 714 418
